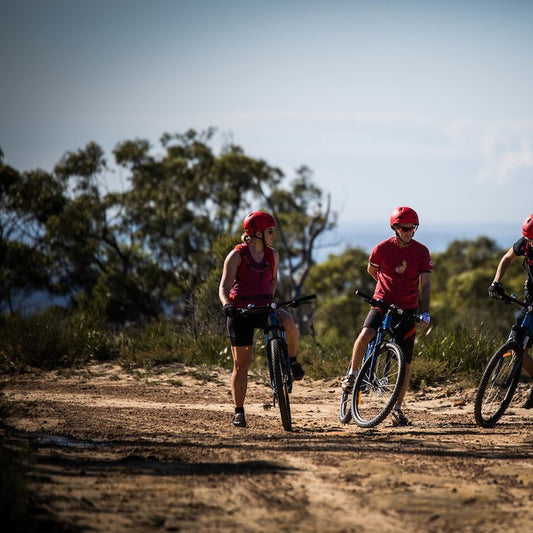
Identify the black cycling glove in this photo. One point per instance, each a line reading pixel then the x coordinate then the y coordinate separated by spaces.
pixel 496 289
pixel 229 310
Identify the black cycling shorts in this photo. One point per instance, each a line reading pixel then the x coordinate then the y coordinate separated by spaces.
pixel 404 329
pixel 241 328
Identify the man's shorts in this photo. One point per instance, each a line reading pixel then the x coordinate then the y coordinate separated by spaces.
pixel 404 328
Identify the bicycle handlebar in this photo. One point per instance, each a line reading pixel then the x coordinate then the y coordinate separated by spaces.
pixel 295 302
pixel 510 299
pixel 383 306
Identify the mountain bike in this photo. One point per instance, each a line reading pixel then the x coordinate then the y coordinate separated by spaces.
pixel 380 378
pixel 502 373
pixel 277 354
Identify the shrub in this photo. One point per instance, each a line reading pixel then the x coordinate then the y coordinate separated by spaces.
pixel 52 339
pixel 165 342
pixel 442 354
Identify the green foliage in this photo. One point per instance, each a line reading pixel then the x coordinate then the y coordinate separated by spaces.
pixel 52 339
pixel 442 354
pixel 339 312
pixel 124 298
pixel 459 287
pixel 133 254
pixel 209 309
pixel 164 342
pixel 324 358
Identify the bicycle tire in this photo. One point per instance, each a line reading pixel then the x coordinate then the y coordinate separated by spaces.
pixel 345 407
pixel 279 371
pixel 378 385
pixel 498 384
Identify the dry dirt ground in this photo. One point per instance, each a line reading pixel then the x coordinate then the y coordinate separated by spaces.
pixel 134 451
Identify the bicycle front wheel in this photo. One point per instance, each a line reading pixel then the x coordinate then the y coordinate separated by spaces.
pixel 279 376
pixel 345 412
pixel 378 385
pixel 498 384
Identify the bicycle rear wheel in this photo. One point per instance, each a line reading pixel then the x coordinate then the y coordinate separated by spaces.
pixel 378 385
pixel 498 384
pixel 279 371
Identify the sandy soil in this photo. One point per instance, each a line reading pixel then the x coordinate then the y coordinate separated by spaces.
pixel 138 451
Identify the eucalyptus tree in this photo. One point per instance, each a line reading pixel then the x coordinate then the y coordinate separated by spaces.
pixel 27 200
pixel 181 201
pixel 150 247
pixel 104 271
pixel 188 197
pixel 303 214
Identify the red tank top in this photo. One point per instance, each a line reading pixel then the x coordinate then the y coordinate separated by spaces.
pixel 253 281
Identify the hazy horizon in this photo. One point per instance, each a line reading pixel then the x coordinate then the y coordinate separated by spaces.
pixel 426 104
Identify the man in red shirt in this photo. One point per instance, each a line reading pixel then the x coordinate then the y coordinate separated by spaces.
pixel 400 265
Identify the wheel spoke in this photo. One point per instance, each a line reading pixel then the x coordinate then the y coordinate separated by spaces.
pixel 378 385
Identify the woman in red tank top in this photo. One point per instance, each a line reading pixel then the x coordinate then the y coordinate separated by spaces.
pixel 250 276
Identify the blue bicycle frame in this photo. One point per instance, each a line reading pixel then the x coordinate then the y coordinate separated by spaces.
pixel 386 327
pixel 527 324
pixel 374 344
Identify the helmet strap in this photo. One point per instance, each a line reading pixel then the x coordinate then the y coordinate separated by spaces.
pixel 397 233
pixel 262 238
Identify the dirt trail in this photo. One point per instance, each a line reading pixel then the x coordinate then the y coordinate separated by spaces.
pixel 116 451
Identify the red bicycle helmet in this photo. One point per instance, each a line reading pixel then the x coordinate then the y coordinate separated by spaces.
pixel 257 221
pixel 527 227
pixel 404 215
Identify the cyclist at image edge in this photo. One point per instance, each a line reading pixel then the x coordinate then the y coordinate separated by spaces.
pixel 523 247
pixel 399 265
pixel 250 277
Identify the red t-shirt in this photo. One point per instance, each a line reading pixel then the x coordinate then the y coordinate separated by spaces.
pixel 399 271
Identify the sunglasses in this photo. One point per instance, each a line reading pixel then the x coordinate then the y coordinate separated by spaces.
pixel 406 229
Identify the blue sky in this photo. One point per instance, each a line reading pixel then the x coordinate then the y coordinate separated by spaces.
pixel 420 103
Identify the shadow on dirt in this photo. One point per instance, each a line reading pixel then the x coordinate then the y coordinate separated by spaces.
pixel 179 458
pixel 153 466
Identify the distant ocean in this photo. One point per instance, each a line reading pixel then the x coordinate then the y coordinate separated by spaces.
pixel 436 238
